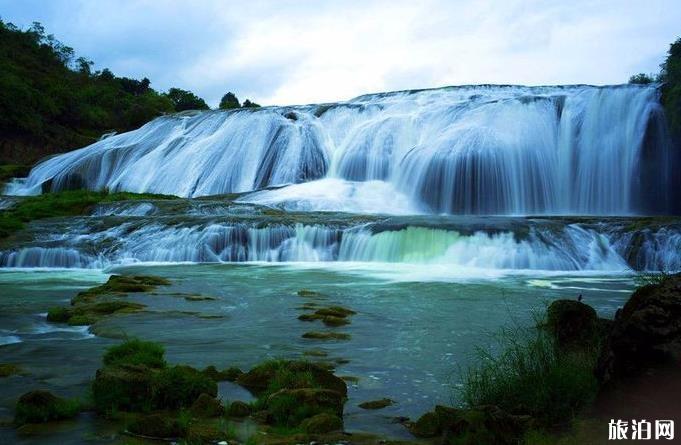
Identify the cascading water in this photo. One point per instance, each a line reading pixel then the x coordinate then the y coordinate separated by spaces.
pixel 458 150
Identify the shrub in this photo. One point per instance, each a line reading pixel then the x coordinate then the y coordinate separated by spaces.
pixel 531 376
pixel 43 406
pixel 135 352
pixel 180 386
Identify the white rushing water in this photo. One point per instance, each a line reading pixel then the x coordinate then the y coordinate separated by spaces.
pixel 459 150
pixel 572 247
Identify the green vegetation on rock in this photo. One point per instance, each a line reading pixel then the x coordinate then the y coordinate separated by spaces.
pixel 135 352
pixel 43 406
pixel 61 204
pixel 8 369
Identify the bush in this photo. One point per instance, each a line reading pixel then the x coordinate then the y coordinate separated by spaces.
pixel 641 79
pixel 531 376
pixel 135 352
pixel 43 406
pixel 180 386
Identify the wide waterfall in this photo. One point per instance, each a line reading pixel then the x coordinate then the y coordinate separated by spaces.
pixel 459 150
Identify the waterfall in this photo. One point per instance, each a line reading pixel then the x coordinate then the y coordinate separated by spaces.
pixel 459 150
pixel 501 245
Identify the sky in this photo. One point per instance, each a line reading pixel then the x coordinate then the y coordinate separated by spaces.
pixel 294 52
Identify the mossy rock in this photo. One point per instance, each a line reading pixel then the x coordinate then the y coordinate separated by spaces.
pixel 317 335
pixel 81 320
pixel 428 425
pixel 376 404
pixel 289 407
pixel 283 374
pixel 573 324
pixel 332 321
pixel 179 386
pixel 229 374
pixel 43 406
pixel 124 388
pixel 316 353
pixel 136 352
pixel 120 284
pixel 207 406
pixel 156 425
pixel 335 311
pixel 8 369
pixel 483 424
pixel 322 423
pixel 59 314
pixel 239 409
pixel 306 293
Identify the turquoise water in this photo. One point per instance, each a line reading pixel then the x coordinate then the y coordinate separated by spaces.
pixel 416 328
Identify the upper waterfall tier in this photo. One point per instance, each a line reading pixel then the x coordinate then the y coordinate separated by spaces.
pixel 458 150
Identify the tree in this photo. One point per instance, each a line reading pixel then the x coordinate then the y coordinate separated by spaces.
pixel 185 100
pixel 641 79
pixel 249 104
pixel 670 75
pixel 229 101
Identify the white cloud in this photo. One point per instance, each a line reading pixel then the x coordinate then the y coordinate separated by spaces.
pixel 309 51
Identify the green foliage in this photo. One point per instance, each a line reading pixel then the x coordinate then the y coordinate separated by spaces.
pixel 671 91
pixel 185 100
pixel 180 386
pixel 229 101
pixel 249 104
pixel 50 104
pixel 641 79
pixel 42 406
pixel 532 376
pixel 8 369
pixel 67 203
pixel 136 352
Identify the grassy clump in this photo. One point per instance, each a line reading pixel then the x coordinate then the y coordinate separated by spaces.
pixel 533 377
pixel 120 284
pixel 180 386
pixel 61 204
pixel 8 369
pixel 135 352
pixel 43 406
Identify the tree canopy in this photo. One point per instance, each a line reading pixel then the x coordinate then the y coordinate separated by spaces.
pixel 52 102
pixel 229 101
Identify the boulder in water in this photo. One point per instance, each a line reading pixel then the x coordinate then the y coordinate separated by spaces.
pixel 646 333
pixel 572 323
pixel 43 406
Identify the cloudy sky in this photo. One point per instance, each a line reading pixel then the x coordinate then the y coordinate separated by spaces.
pixel 292 52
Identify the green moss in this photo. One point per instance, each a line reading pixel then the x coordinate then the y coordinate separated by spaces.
pixel 158 425
pixel 376 404
pixel 322 423
pixel 61 204
pixel 239 409
pixel 229 374
pixel 290 407
pixel 124 388
pixel 8 369
pixel 306 293
pixel 121 284
pixel 206 406
pixel 315 335
pixel 59 314
pixel 43 406
pixel 180 386
pixel 136 352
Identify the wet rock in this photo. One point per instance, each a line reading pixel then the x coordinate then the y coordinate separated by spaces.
pixel 573 324
pixel 119 284
pixel 483 424
pixel 124 388
pixel 179 386
pixel 207 406
pixel 376 404
pixel 239 409
pixel 156 425
pixel 229 374
pixel 646 333
pixel 8 369
pixel 335 311
pixel 43 406
pixel 291 406
pixel 291 375
pixel 316 335
pixel 306 293
pixel 322 423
